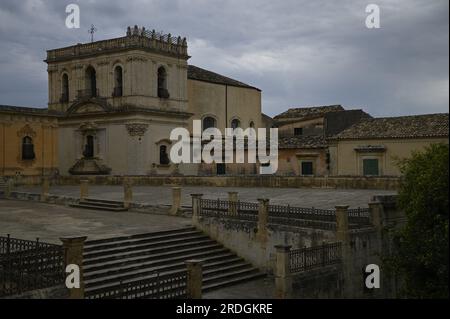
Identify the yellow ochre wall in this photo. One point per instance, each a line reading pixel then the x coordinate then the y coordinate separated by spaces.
pixel 345 161
pixel 44 132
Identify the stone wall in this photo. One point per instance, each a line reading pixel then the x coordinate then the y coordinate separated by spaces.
pixel 385 183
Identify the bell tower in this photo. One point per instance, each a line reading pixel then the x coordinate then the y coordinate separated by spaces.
pixel 143 69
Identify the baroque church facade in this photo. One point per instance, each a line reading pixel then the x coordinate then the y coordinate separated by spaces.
pixel 119 99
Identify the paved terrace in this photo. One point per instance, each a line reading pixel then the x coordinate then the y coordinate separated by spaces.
pixel 162 195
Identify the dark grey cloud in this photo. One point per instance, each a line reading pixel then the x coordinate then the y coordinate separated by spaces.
pixel 298 52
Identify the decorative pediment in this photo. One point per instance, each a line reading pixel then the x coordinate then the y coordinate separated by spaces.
pixel 26 131
pixel 89 126
pixel 90 106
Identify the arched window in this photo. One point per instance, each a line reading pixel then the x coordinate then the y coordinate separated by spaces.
pixel 27 148
pixel 163 156
pixel 252 124
pixel 91 82
pixel 89 147
pixel 118 81
pixel 235 123
pixel 162 83
pixel 208 122
pixel 65 88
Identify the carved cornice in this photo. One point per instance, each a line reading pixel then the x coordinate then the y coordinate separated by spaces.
pixel 137 129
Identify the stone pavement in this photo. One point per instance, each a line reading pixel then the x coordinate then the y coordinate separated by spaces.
pixel 28 220
pixel 162 195
pixel 256 289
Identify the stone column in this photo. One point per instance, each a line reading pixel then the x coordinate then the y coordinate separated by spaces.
pixel 84 188
pixel 194 278
pixel 376 214
pixel 196 198
pixel 127 193
pixel 232 205
pixel 176 201
pixel 73 254
pixel 283 278
pixel 263 217
pixel 45 189
pixel 343 236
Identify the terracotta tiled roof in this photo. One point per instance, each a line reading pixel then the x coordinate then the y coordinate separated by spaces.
pixel 308 112
pixel 196 73
pixel 303 141
pixel 415 126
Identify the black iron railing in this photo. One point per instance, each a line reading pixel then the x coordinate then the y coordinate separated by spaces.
pixel 314 257
pixel 226 209
pixel 28 265
pixel 359 216
pixel 167 286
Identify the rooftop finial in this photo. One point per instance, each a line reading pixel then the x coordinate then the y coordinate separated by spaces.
pixel 92 30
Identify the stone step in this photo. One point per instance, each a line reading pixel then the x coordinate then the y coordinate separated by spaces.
pixel 214 255
pixel 150 251
pixel 146 245
pixel 99 207
pixel 102 201
pixel 113 205
pixel 227 277
pixel 218 283
pixel 99 242
pixel 229 263
pixel 140 259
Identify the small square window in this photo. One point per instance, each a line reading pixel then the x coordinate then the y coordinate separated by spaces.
pixel 307 168
pixel 370 167
pixel 298 131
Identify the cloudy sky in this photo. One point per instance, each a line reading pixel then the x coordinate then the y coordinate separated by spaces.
pixel 300 53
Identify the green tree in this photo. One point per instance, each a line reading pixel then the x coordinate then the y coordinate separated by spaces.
pixel 422 247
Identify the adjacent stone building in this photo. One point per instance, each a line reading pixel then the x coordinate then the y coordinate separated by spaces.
pixel 304 132
pixel 373 147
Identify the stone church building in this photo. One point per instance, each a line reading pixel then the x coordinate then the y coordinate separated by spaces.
pixel 120 98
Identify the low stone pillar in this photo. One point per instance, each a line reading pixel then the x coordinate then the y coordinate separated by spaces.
pixel 9 188
pixel 263 218
pixel 45 189
pixel 196 207
pixel 84 188
pixel 176 201
pixel 73 254
pixel 127 193
pixel 376 214
pixel 232 203
pixel 283 278
pixel 343 236
pixel 342 232
pixel 194 278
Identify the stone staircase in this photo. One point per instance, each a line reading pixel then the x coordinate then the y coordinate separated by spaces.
pixel 100 204
pixel 107 262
